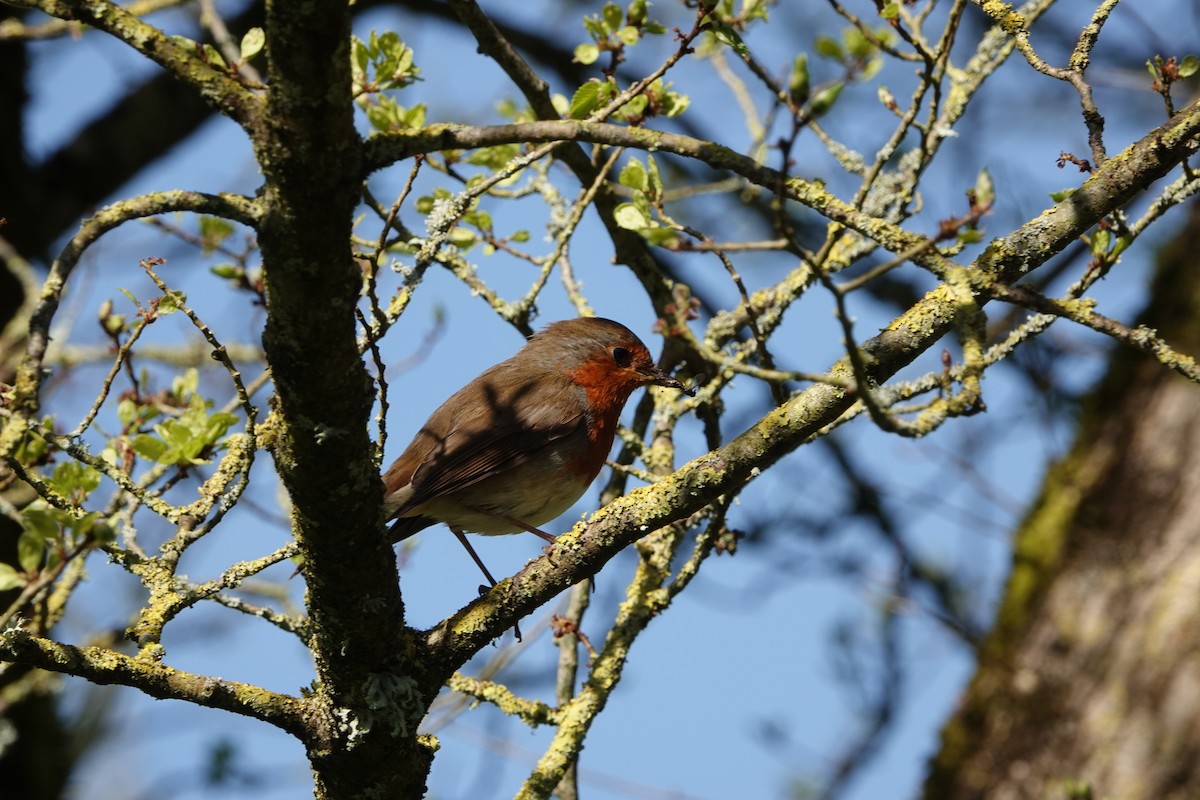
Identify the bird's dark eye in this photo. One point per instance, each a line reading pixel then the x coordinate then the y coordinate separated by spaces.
pixel 622 356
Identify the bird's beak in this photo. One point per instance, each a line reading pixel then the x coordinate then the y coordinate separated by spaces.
pixel 656 376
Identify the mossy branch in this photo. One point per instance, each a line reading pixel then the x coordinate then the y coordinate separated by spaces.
pixel 29 376
pixel 217 87
pixel 582 551
pixel 1121 176
pixel 103 666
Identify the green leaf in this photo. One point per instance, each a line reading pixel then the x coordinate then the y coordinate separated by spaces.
pixel 103 532
pixel 187 44
pixel 1058 197
pixel 630 217
pixel 480 219
pixel 595 28
pixel 1189 66
pixel 634 176
pixel 612 15
pixel 379 117
pixel 660 237
pixel 213 56
pixel 171 302
pixel 389 47
pixel 726 33
pixel 827 47
pixel 798 81
pixel 857 45
pixel 72 478
pixel 39 520
pixel 31 550
pixel 634 109
pixel 1101 240
pixel 753 9
pixel 252 43
pixel 628 35
pixel 217 425
pixel 654 182
pixel 360 54
pixel 586 100
pixel 462 237
pixel 825 99
pixel 33 448
pixel 127 412
pixel 414 118
pixel 10 578
pixel 637 12
pixel 213 232
pixel 227 271
pixel 185 384
pixel 672 104
pixel 150 448
pixel 519 236
pixel 969 236
pixel 890 11
pixel 175 432
pixel 84 525
pixel 1123 242
pixel 587 53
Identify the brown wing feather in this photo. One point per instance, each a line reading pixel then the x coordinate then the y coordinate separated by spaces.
pixel 456 449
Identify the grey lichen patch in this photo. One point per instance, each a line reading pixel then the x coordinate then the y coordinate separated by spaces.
pixel 391 701
pixel 394 700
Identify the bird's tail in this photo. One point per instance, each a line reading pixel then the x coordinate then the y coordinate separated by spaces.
pixel 405 527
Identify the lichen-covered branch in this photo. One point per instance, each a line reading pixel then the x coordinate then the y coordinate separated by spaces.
pixel 218 88
pixel 1109 188
pixel 103 666
pixel 589 545
pixel 29 376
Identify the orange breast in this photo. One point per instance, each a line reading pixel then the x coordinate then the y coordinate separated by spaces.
pixel 607 391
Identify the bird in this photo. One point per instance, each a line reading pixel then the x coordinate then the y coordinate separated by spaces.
pixel 519 444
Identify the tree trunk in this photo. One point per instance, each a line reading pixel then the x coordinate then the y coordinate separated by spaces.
pixel 1090 683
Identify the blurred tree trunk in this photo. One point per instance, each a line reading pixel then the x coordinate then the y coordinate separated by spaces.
pixel 1089 685
pixel 35 755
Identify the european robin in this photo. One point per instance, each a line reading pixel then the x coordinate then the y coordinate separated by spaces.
pixel 517 446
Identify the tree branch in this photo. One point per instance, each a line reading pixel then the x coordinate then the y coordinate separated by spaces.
pixel 217 87
pixel 103 666
pixel 29 376
pixel 370 677
pixel 1109 188
pixel 590 545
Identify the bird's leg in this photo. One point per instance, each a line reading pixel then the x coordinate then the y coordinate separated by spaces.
pixel 547 551
pixel 514 521
pixel 462 537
